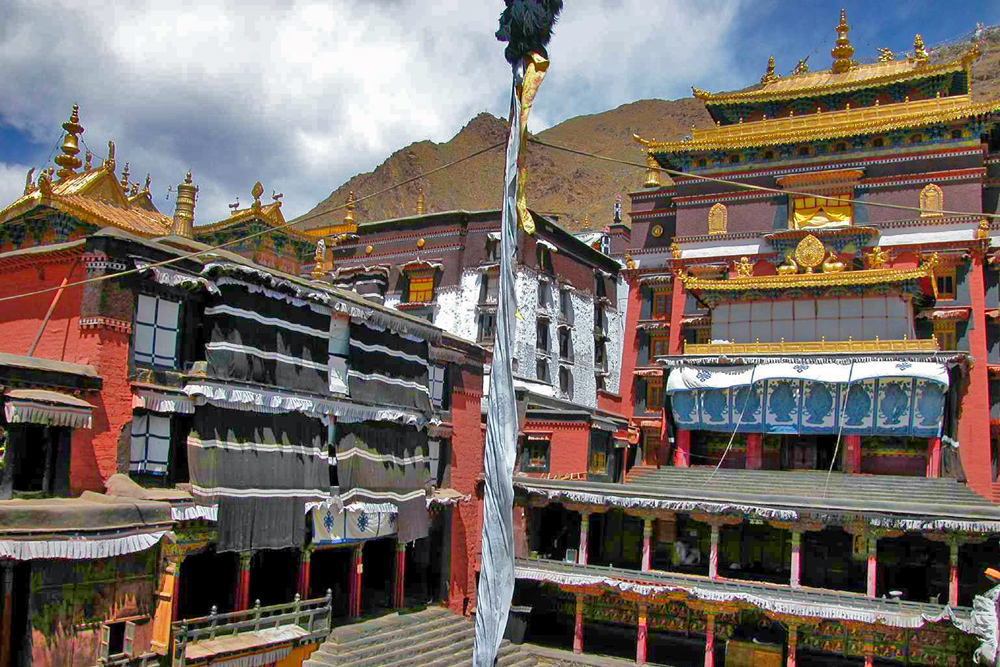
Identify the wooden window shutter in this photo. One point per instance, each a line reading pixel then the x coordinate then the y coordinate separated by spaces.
pixel 129 643
pixel 104 651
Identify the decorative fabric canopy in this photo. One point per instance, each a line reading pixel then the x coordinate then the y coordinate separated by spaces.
pixel 48 408
pixel 332 525
pixel 156 401
pixel 79 548
pixel 865 398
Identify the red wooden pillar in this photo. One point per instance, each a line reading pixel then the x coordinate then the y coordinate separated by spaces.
pixel 852 452
pixel 793 641
pixel 710 641
pixel 354 594
pixel 713 556
pixel 755 451
pixel 872 566
pixel 399 584
pixel 640 637
pixel 934 457
pixel 7 593
pixel 243 582
pixel 175 602
pixel 869 650
pixel 584 530
pixel 647 539
pixel 953 573
pixel 304 572
pixel 578 625
pixel 796 559
pixel 677 301
pixel 682 451
pixel 974 417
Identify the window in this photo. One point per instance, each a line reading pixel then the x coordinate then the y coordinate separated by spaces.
pixel 598 463
pixel 734 159
pixel 156 323
pixel 916 138
pixel 878 142
pixel 702 162
pixel 565 383
pixel 600 287
pixel 946 284
pixel 840 148
pixel 545 259
pixel 956 134
pixel 946 336
pixel 150 444
pixel 542 335
pixel 565 305
pixel 542 370
pixel 600 356
pixel 600 382
pixel 338 349
pixel 544 294
pixel 702 335
pixel 654 394
pixel 661 303
pixel 33 458
pixel 565 343
pixel 113 639
pixel 487 328
pixel 803 150
pixel 435 377
pixel 434 447
pixel 535 453
pixel 769 155
pixel 658 346
pixel 493 250
pixel 489 288
pixel 421 287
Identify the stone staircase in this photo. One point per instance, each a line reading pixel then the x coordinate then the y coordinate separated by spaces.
pixel 434 637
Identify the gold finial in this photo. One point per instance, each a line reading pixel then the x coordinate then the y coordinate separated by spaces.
pixel 629 261
pixel 184 209
pixel 88 158
pixel 801 67
pixel 319 259
pixel 134 190
pixel 69 162
pixel 983 231
pixel 145 187
pixel 652 172
pixel 769 75
pixel 256 192
pixel 28 185
pixel 420 202
pixel 843 50
pixel 885 55
pixel 45 182
pixel 124 181
pixel 349 216
pixel 675 250
pixel 109 164
pixel 919 52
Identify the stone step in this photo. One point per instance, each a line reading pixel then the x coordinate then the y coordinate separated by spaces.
pixel 393 634
pixel 449 655
pixel 402 649
pixel 357 631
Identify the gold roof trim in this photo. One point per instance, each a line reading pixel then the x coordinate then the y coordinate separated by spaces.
pixel 829 125
pixel 270 214
pixel 805 280
pixel 829 82
pixel 814 347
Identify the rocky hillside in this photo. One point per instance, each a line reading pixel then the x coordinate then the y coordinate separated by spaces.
pixel 579 192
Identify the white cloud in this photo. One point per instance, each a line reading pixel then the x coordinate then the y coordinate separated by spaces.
pixel 12 177
pixel 304 95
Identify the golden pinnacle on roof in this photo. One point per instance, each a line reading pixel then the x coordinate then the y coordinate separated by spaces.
pixel 843 50
pixel 184 209
pixel 919 52
pixel 652 172
pixel 88 158
pixel 349 216
pixel 769 75
pixel 885 55
pixel 109 164
pixel 69 162
pixel 124 181
pixel 145 187
pixel 801 67
pixel 420 202
pixel 256 191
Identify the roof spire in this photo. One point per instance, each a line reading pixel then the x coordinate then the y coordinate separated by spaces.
pixel 919 52
pixel 420 202
pixel 769 75
pixel 184 209
pixel 349 216
pixel 843 50
pixel 652 172
pixel 124 181
pixel 69 162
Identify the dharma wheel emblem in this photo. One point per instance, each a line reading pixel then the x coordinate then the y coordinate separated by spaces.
pixel 810 253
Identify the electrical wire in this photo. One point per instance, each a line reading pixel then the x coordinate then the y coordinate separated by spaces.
pixel 758 188
pixel 240 239
pixel 840 431
pixel 739 422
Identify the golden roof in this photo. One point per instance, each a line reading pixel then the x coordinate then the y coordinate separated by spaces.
pixel 829 82
pixel 820 126
pixel 269 214
pixel 94 197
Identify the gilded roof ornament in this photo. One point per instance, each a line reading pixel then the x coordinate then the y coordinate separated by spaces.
pixel 349 216
pixel 801 67
pixel 88 159
pixel 842 50
pixel 45 183
pixel 885 55
pixel 69 162
pixel 134 190
pixel 256 192
pixel 109 164
pixel 29 186
pixel 145 187
pixel 235 206
pixel 700 94
pixel 769 75
pixel 652 172
pixel 919 52
pixel 420 202
pixel 124 181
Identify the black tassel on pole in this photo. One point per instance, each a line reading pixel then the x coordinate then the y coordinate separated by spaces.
pixel 526 25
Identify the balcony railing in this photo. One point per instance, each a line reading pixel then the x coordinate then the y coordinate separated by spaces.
pixel 850 346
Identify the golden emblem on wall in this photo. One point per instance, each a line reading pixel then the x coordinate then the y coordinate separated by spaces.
pixel 420 243
pixel 743 268
pixel 810 253
pixel 657 231
pixel 369 249
pixel 931 201
pixel 718 218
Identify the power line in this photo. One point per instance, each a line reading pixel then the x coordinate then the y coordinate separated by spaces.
pixel 297 221
pixel 759 188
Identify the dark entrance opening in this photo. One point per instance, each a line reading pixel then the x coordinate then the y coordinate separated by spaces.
pixel 329 569
pixel 274 576
pixel 208 579
pixel 810 452
pixel 379 565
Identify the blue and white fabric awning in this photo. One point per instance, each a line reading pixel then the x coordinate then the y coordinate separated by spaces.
pixel 47 408
pixel 865 398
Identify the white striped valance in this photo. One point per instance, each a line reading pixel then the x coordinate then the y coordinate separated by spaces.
pixel 214 491
pixel 305 450
pixel 77 548
pixel 264 354
pixel 378 377
pixel 173 278
pixel 382 495
pixel 263 319
pixel 160 402
pixel 399 354
pixel 48 408
pixel 380 458
pixel 256 659
pixel 195 512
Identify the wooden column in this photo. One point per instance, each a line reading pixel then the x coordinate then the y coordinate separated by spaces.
pixel 305 558
pixel 7 595
pixel 647 539
pixel 677 301
pixel 243 581
pixel 953 572
pixel 399 583
pixel 175 607
pixel 755 451
pixel 710 640
pixel 682 448
pixel 713 555
pixel 869 650
pixel 934 457
pixel 796 577
pixel 872 565
pixel 793 642
pixel 578 625
pixel 584 530
pixel 640 637
pixel 852 453
pixel 357 567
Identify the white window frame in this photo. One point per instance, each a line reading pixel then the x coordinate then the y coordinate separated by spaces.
pixel 150 430
pixel 156 335
pixel 435 378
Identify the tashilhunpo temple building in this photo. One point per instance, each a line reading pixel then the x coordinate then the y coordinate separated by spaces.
pixel 758 424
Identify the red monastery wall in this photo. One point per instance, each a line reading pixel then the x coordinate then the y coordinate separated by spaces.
pixel 466 464
pixel 965 196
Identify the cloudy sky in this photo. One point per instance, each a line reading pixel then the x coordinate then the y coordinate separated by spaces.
pixel 304 95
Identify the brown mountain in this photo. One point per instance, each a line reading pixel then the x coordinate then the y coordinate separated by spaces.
pixel 576 190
